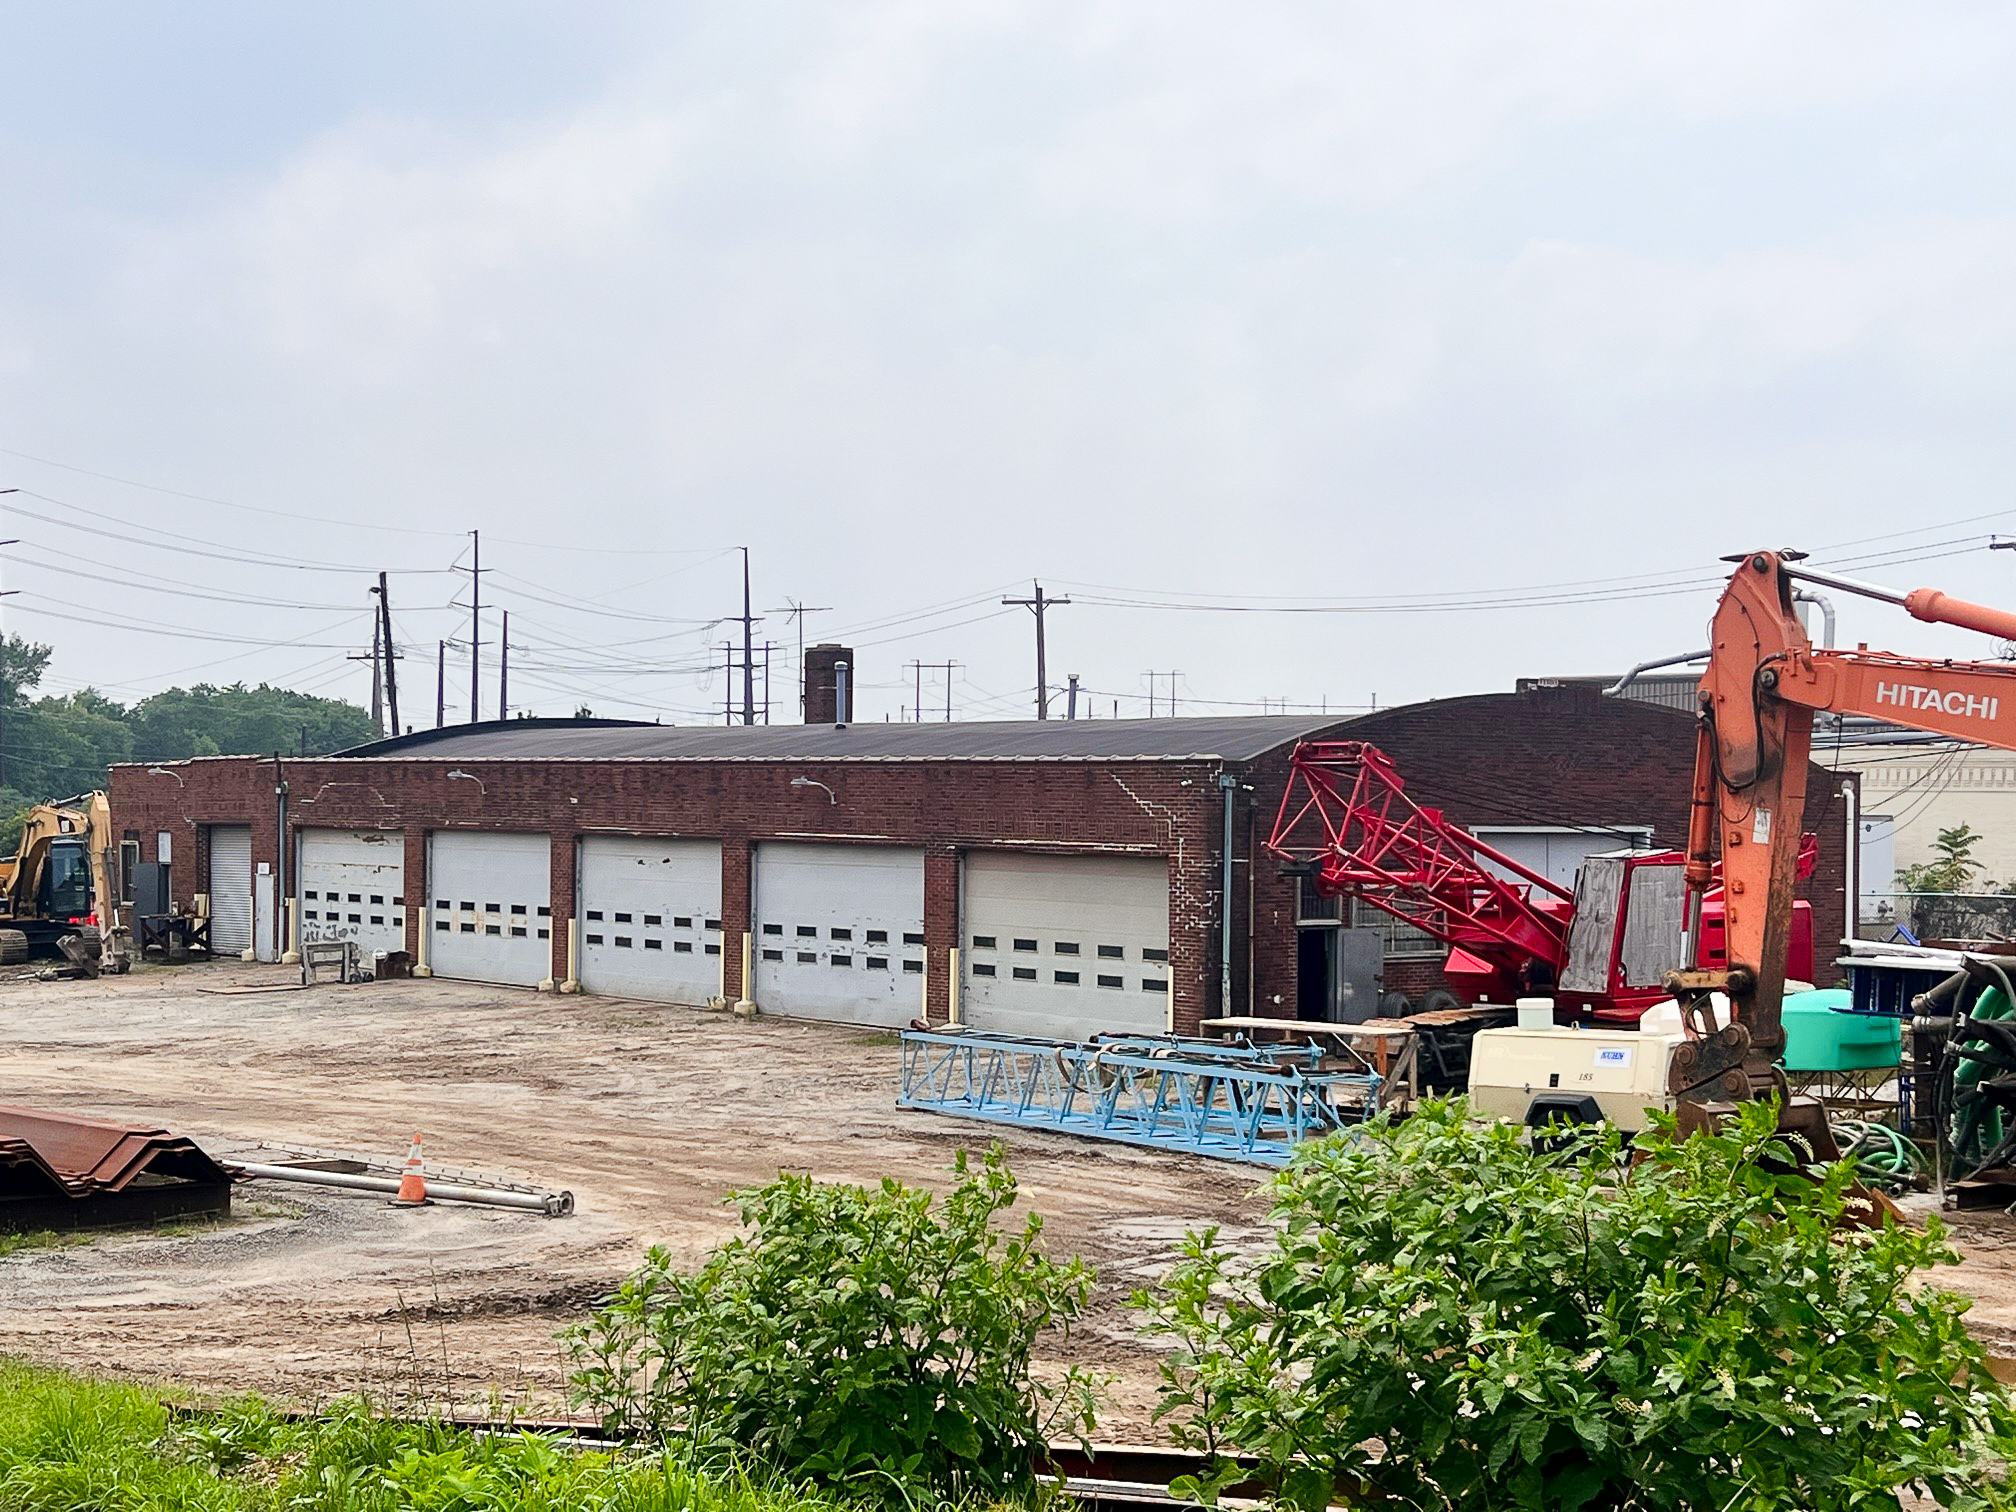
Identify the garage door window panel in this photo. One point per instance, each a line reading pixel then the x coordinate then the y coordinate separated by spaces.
pixel 1066 908
pixel 626 878
pixel 848 897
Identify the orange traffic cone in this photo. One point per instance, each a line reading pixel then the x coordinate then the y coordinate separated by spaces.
pixel 412 1181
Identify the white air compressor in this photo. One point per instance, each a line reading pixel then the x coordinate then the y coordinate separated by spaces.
pixel 1541 1072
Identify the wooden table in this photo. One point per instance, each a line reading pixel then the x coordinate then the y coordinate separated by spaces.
pixel 1393 1044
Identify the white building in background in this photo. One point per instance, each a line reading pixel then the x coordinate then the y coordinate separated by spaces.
pixel 1913 786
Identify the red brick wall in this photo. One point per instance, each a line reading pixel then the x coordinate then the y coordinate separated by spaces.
pixel 1168 809
pixel 1546 756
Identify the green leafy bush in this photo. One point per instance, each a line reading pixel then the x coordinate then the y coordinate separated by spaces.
pixel 1447 1319
pixel 860 1338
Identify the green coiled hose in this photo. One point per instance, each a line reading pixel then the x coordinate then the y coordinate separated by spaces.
pixel 1885 1157
pixel 1976 1126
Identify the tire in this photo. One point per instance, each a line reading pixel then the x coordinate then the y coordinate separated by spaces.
pixel 1394 1005
pixel 1441 1000
pixel 13 947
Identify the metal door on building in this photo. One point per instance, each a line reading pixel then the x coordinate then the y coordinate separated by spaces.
pixel 1065 946
pixel 651 918
pixel 840 932
pixel 492 916
pixel 352 886
pixel 230 889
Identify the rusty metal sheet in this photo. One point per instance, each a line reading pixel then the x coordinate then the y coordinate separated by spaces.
pixel 43 1152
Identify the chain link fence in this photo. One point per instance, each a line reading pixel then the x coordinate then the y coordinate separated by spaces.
pixel 1938 916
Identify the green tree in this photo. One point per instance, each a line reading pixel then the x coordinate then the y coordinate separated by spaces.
pixel 1952 868
pixel 241 721
pixel 858 1338
pixel 1445 1318
pixel 22 664
pixel 59 746
pixel 56 747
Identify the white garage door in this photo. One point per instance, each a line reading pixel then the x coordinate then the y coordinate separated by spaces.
pixel 230 888
pixel 651 918
pixel 840 932
pixel 1063 947
pixel 353 887
pixel 492 916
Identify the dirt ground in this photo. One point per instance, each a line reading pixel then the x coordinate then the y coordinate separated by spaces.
pixel 648 1114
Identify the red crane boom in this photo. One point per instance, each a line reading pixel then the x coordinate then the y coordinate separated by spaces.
pixel 1348 823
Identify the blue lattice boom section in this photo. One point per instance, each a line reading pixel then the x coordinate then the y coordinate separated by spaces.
pixel 1252 1103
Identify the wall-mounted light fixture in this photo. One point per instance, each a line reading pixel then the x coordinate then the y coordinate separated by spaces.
pixel 164 772
pixel 463 776
pixel 805 782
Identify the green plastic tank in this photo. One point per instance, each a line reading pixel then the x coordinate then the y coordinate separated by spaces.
pixel 1819 1039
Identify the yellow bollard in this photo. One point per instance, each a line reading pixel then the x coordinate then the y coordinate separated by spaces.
pixel 745 1005
pixel 952 987
pixel 573 982
pixel 420 966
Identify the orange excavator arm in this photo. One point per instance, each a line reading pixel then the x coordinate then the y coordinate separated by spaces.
pixel 1764 682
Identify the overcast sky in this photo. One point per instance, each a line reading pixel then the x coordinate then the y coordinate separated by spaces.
pixel 1418 309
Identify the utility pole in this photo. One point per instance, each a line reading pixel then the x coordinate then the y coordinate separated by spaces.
pixel 390 652
pixel 748 648
pixel 440 683
pixel 5 691
pixel 948 690
pixel 1037 605
pixel 504 668
pixel 377 676
pixel 796 611
pixel 475 623
pixel 917 693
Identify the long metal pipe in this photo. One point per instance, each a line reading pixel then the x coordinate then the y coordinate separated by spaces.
pixel 1825 605
pixel 552 1204
pixel 1616 689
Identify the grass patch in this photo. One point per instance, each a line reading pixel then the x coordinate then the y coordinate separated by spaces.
pixel 69 1444
pixel 41 1239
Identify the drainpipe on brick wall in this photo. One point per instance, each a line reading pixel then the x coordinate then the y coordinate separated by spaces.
pixel 290 952
pixel 1851 864
pixel 1228 785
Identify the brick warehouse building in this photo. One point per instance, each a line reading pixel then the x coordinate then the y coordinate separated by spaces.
pixel 1077 867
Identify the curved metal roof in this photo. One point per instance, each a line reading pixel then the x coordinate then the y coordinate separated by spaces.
pixel 1240 738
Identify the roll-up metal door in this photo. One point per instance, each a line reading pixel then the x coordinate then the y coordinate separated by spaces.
pixel 840 932
pixel 492 916
pixel 353 887
pixel 651 918
pixel 230 888
pixel 1064 947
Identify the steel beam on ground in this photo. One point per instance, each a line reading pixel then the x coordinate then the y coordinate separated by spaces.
pixel 1254 1104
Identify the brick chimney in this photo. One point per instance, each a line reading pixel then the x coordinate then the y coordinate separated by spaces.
pixel 819 689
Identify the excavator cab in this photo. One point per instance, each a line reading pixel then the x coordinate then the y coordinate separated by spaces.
pixel 65 892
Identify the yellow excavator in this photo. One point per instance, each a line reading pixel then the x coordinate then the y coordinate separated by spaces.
pixel 60 882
